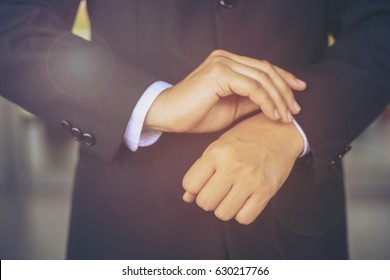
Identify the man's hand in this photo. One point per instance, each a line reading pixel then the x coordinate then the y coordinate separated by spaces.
pixel 222 89
pixel 240 172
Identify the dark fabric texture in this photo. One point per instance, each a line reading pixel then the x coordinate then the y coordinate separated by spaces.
pixel 128 205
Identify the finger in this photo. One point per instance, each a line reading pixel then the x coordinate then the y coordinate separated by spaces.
pixel 251 209
pixel 198 175
pixel 277 96
pixel 281 95
pixel 213 192
pixel 291 79
pixel 189 197
pixel 245 86
pixel 282 81
pixel 273 86
pixel 231 204
pixel 284 88
pixel 288 78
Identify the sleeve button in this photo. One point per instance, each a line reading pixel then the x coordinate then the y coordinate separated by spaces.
pixel 66 126
pixel 76 133
pixel 228 3
pixel 89 139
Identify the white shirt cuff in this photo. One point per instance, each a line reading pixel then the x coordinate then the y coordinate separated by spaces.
pixel 306 148
pixel 135 136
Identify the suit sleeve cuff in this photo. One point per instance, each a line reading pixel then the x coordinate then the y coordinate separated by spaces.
pixel 306 148
pixel 135 136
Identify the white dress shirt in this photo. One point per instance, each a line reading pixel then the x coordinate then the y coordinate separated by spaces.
pixel 135 134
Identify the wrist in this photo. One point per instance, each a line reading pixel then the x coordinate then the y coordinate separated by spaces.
pixel 136 128
pixel 280 137
pixel 285 135
pixel 157 118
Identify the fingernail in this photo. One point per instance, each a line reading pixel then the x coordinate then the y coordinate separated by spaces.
pixel 289 116
pixel 296 106
pixel 276 114
pixel 300 82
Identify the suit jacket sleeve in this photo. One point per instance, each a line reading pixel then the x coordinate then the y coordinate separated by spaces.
pixel 58 76
pixel 350 85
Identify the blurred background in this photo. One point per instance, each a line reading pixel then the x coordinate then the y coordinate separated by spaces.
pixel 37 165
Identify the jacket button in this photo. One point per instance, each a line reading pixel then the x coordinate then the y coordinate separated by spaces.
pixel 88 139
pixel 66 126
pixel 228 3
pixel 341 155
pixel 76 133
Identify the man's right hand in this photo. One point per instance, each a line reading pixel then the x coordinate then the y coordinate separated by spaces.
pixel 222 89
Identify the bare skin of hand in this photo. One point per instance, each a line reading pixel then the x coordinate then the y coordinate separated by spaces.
pixel 222 89
pixel 240 172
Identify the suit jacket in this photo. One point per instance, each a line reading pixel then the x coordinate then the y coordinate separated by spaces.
pixel 128 205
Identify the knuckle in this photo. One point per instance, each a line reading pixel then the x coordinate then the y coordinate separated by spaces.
pixel 217 67
pixel 221 153
pixel 217 52
pixel 281 105
pixel 285 89
pixel 270 178
pixel 288 95
pixel 211 147
pixel 269 185
pixel 216 59
pixel 266 64
pixel 214 55
pixel 266 102
pixel 218 151
pixel 257 86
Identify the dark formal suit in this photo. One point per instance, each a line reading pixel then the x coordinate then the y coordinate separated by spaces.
pixel 128 205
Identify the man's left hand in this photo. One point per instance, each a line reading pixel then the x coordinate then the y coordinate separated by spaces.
pixel 240 172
